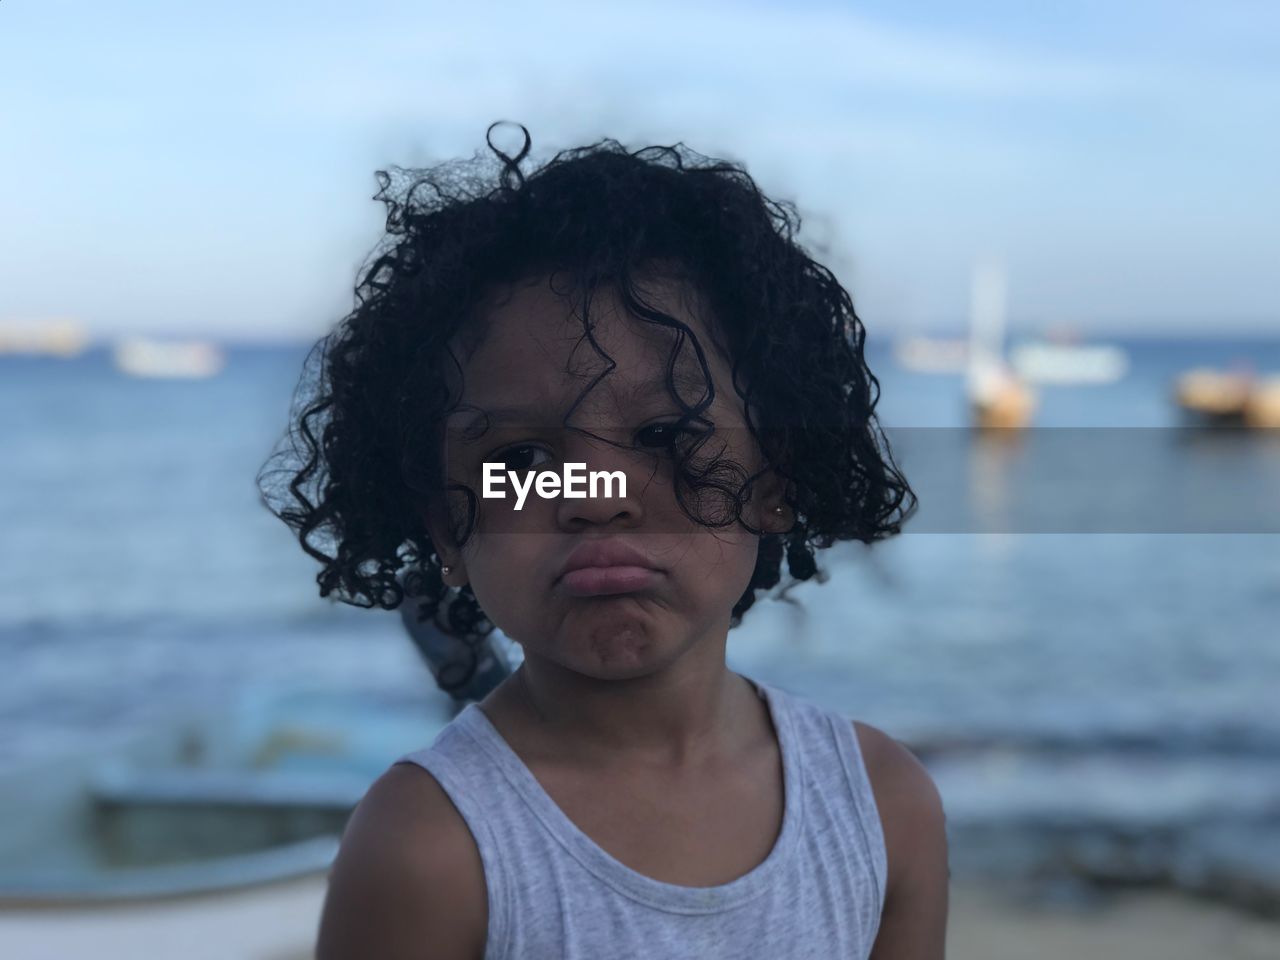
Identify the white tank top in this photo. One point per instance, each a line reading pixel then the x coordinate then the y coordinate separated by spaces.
pixel 554 893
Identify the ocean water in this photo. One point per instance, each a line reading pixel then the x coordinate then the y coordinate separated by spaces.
pixel 1131 672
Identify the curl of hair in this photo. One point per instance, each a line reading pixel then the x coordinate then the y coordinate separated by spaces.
pixel 361 454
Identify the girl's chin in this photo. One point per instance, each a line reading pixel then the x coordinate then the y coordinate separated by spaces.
pixel 613 655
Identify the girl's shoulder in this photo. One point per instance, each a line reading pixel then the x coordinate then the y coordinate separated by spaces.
pixel 914 825
pixel 408 873
pixel 898 778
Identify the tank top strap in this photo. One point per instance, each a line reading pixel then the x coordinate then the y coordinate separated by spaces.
pixel 841 770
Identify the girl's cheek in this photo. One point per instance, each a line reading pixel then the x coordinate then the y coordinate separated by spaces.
pixel 500 516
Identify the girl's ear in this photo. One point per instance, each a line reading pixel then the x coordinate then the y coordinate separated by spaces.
pixel 435 519
pixel 775 515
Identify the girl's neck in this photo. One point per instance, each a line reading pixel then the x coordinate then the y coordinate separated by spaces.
pixel 693 709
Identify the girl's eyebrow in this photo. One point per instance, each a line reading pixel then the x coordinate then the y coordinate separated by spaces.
pixel 684 379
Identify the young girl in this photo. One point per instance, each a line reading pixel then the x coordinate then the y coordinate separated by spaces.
pixel 645 316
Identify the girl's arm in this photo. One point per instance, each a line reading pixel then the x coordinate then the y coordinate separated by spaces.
pixel 913 925
pixel 408 881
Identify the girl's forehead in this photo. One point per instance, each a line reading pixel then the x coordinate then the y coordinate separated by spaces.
pixel 535 357
pixel 535 335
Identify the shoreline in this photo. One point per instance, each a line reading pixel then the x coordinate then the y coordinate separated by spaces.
pixel 987 921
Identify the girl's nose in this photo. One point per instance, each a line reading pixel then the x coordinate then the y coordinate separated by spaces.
pixel 616 477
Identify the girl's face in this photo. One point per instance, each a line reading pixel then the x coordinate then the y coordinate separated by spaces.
pixel 532 364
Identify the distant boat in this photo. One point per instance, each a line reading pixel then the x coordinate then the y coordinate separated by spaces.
pixel 999 400
pixel 1048 361
pixel 185 359
pixel 1228 398
pixel 932 354
pixel 998 397
pixel 57 338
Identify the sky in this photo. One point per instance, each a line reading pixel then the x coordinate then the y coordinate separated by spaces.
pixel 207 169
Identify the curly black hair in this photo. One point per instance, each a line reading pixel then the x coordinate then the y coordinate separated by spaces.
pixel 362 454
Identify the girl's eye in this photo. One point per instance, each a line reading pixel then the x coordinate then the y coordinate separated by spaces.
pixel 662 436
pixel 512 457
pixel 665 435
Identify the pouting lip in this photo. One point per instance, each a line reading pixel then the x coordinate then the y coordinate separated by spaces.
pixel 605 553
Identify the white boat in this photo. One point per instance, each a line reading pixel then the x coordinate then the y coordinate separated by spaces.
pixel 998 397
pixel 1047 361
pixel 184 359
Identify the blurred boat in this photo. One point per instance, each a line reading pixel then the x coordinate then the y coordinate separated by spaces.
pixel 225 799
pixel 931 354
pixel 56 338
pixel 1228 398
pixel 998 400
pixel 1048 361
pixel 212 803
pixel 998 397
pixel 186 359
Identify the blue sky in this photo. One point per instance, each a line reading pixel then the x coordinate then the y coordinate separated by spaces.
pixel 208 168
